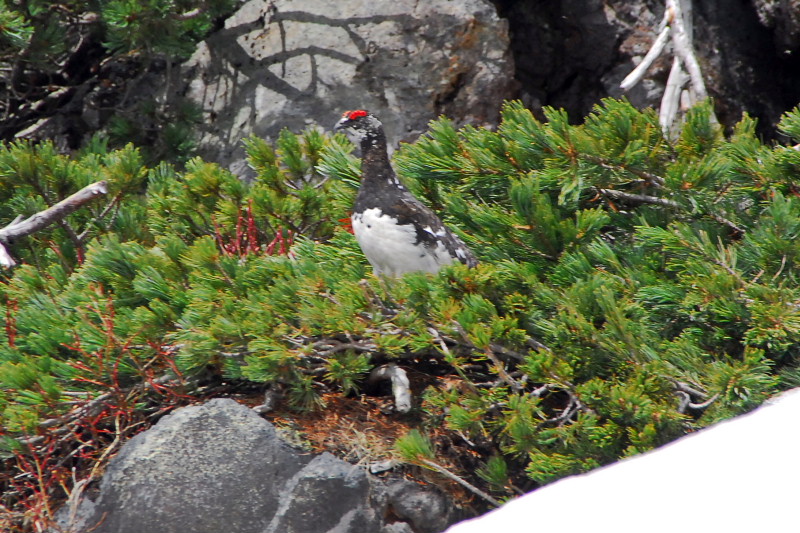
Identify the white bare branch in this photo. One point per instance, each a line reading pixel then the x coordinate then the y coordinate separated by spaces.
pixel 638 73
pixel 21 228
pixel 637 198
pixel 681 40
pixel 6 261
pixel 670 101
pixel 677 24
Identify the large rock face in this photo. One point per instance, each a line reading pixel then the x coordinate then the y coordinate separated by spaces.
pixel 291 63
pixel 219 467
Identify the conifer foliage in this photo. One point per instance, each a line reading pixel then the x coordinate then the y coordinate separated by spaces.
pixel 631 289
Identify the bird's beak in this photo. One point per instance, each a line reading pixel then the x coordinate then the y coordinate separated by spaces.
pixel 340 125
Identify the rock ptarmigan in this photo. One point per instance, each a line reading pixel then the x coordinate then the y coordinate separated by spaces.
pixel 396 232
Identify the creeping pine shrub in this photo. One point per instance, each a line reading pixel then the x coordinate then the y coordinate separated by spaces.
pixel 630 289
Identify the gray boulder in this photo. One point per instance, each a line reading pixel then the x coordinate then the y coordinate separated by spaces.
pixel 293 63
pixel 219 467
pixel 327 495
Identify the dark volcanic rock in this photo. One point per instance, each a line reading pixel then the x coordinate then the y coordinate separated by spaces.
pixel 412 503
pixel 219 467
pixel 327 495
pixel 210 468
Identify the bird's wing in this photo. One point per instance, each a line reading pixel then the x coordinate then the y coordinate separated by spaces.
pixel 430 229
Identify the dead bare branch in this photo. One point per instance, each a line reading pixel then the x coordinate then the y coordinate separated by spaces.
pixel 677 23
pixel 461 481
pixel 23 228
pixel 327 347
pixel 682 41
pixel 638 73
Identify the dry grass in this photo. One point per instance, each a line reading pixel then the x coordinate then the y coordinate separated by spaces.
pixel 353 429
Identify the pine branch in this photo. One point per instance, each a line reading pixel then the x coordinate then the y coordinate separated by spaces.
pixel 649 177
pixel 501 371
pixel 71 233
pixel 738 230
pixel 106 210
pixel 638 198
pixel 438 337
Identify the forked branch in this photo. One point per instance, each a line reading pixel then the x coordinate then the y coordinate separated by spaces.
pixel 677 24
pixel 22 228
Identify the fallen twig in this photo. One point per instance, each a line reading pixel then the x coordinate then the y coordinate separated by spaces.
pixel 461 481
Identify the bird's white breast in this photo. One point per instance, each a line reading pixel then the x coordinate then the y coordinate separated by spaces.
pixel 390 247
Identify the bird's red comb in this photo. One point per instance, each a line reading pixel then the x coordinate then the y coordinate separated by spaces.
pixel 352 115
